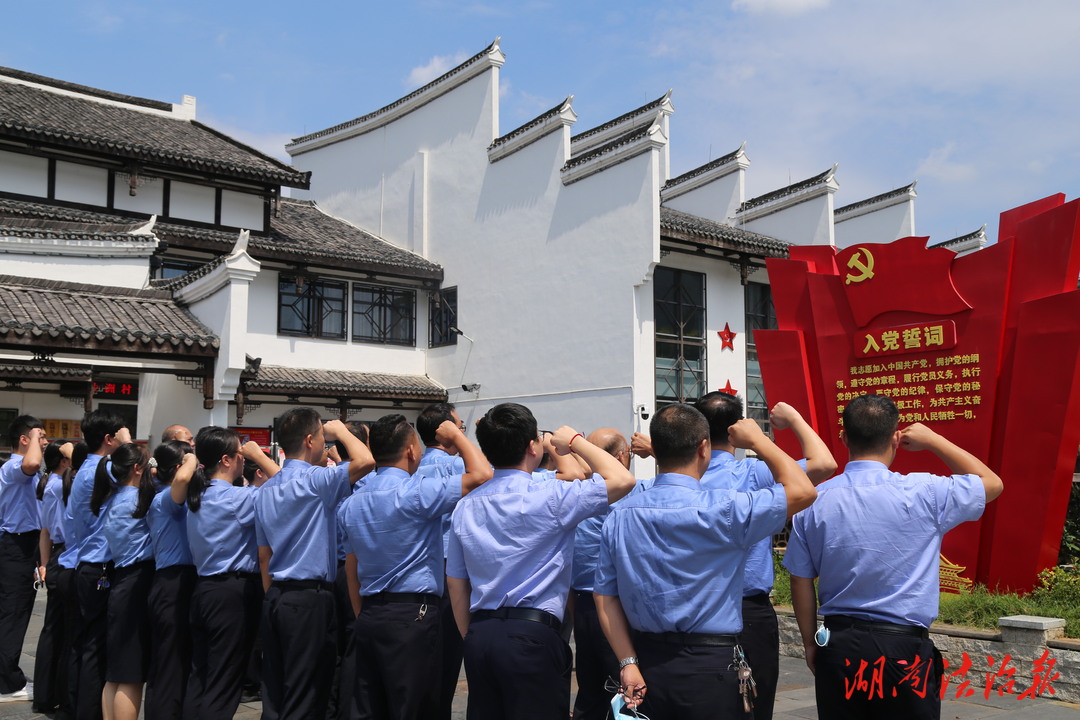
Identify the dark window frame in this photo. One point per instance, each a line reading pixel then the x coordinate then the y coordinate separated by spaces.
pixel 687 339
pixel 384 315
pixel 312 292
pixel 760 315
pixel 442 315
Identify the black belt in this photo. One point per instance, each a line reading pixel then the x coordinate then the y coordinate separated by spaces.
pixel 303 585
pixel 759 598
pixel 845 622
pixel 103 565
pixel 393 597
pixel 519 613
pixel 700 639
pixel 232 574
pixel 24 533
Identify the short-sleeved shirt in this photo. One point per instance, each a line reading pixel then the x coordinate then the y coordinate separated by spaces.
pixel 168 531
pixel 873 540
pixel 587 544
pixel 727 473
pixel 52 508
pixel 128 537
pixel 674 553
pixel 395 523
pixel 19 511
pixel 436 462
pixel 221 533
pixel 92 547
pixel 295 517
pixel 512 538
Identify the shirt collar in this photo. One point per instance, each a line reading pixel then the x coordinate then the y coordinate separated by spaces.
pixel 721 458
pixel 677 480
pixel 391 472
pixel 864 466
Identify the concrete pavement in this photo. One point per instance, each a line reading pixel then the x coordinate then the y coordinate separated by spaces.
pixel 794 701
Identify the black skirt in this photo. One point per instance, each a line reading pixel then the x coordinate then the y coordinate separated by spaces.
pixel 127 639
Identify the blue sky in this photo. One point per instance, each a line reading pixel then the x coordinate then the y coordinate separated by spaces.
pixel 978 100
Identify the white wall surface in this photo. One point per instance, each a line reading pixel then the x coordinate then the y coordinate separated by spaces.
pixel 127 272
pixel 242 210
pixel 808 223
pixel 190 201
pixel 717 200
pixel 148 198
pixel 82 183
pixel 24 174
pixel 881 226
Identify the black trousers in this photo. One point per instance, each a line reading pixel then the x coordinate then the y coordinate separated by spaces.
pixel 224 621
pixel 760 641
pixel 170 636
pixel 299 649
pixel 859 669
pixel 517 670
pixel 452 648
pixel 341 690
pixel 127 635
pixel 54 644
pixel 90 638
pixel 595 661
pixel 688 682
pixel 17 553
pixel 398 660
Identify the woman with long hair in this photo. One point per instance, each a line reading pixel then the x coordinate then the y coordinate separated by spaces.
pixel 227 599
pixel 54 643
pixel 127 639
pixel 162 504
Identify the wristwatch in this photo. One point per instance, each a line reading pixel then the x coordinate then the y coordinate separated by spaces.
pixel 627 661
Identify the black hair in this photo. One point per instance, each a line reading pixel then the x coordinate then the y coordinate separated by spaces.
pixel 390 435
pixel 78 457
pixel 168 456
pixel 504 434
pixel 721 411
pixel 676 431
pixel 211 444
pixel 97 425
pixel 869 424
pixel 295 425
pixel 359 431
pixel 430 418
pixel 250 468
pixel 115 469
pixel 22 425
pixel 52 457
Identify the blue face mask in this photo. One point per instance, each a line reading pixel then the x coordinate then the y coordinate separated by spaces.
pixel 821 637
pixel 618 705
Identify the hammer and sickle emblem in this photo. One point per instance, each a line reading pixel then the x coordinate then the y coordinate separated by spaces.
pixel 862 261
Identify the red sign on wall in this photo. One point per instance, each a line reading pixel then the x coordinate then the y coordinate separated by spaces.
pixel 982 348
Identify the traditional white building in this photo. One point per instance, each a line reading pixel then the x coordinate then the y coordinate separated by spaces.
pixel 429 255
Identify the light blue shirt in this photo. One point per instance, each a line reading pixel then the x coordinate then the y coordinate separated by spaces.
pixel 86 528
pixel 395 524
pixel 512 538
pixel 883 534
pixel 437 463
pixel 295 517
pixel 128 537
pixel 587 544
pixel 674 553
pixel 168 531
pixel 727 473
pixel 222 533
pixel 18 498
pixel 52 508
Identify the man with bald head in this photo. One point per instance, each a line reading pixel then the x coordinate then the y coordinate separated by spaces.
pixel 178 432
pixel 595 661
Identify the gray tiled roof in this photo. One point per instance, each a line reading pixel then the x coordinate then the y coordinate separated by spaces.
pixel 785 191
pixel 300 233
pixel 877 198
pixel 69 121
pixel 701 170
pixel 36 371
pixel 655 104
pixel 684 226
pixel 66 315
pixel 341 383
pixel 981 232
pixel 46 228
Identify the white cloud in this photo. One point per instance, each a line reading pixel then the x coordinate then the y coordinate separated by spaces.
pixel 779 7
pixel 269 143
pixel 941 165
pixel 438 65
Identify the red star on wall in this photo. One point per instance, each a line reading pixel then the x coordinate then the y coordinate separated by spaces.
pixel 728 389
pixel 726 338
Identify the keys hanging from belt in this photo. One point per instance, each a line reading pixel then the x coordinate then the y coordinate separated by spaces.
pixel 747 686
pixel 103 581
pixel 422 613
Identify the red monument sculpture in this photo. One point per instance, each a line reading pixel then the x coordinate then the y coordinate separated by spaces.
pixel 982 348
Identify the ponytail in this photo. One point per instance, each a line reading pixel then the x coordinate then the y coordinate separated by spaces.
pixel 211 444
pixel 168 457
pixel 52 457
pixel 123 460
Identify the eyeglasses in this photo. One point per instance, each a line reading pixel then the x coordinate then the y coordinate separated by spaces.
pixel 618 702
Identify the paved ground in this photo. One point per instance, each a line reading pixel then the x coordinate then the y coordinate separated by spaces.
pixel 794 701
